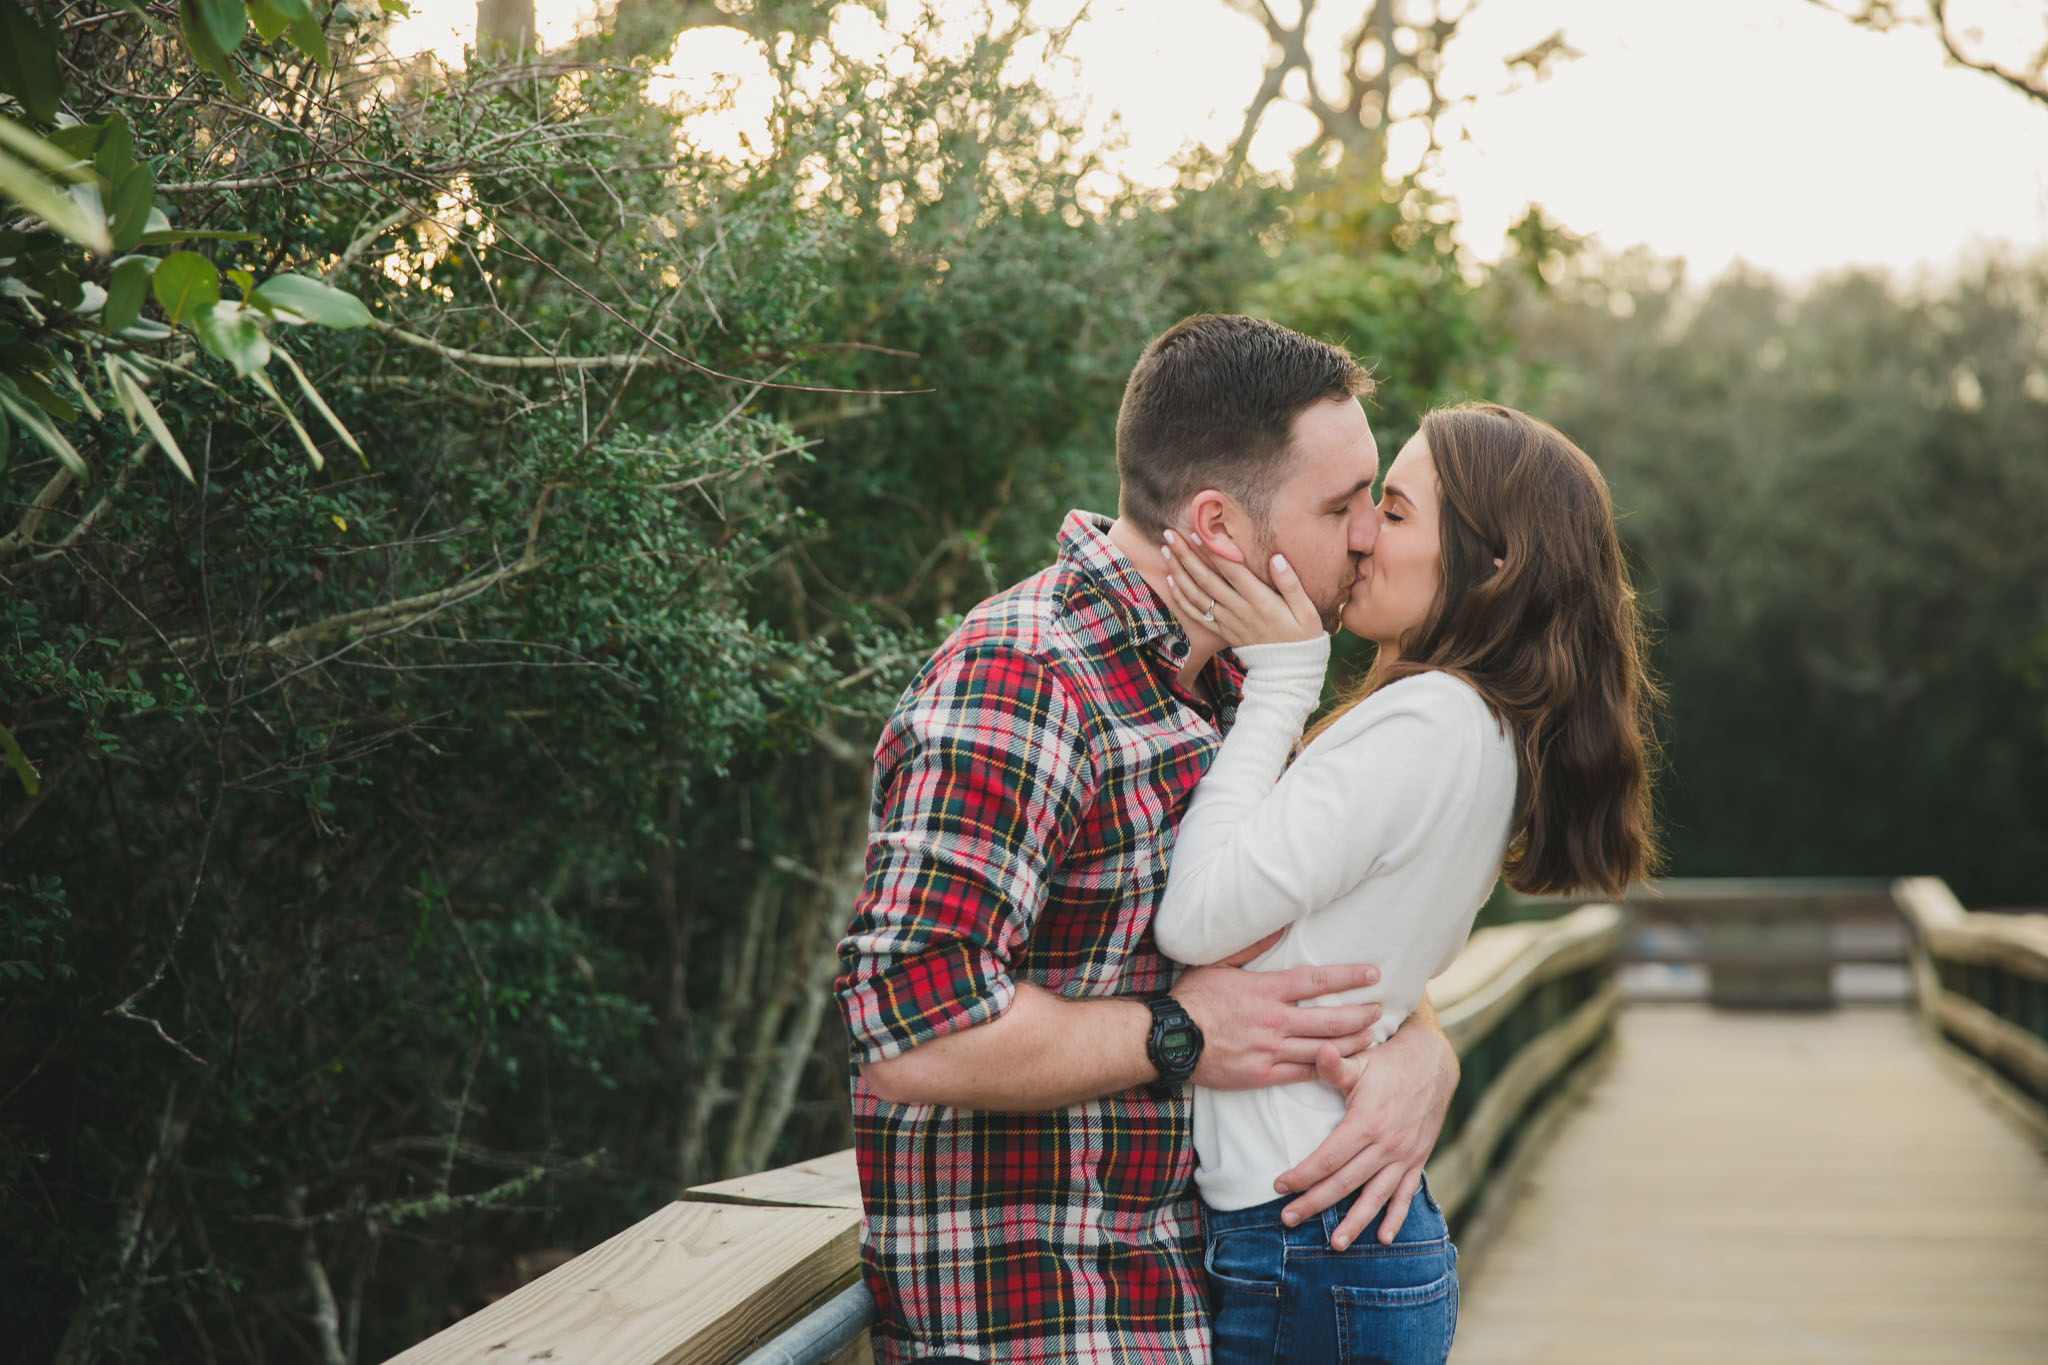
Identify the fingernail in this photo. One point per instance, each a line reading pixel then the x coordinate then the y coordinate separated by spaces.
pixel 1279 563
pixel 1168 535
pixel 1167 551
pixel 1290 1218
pixel 1339 1243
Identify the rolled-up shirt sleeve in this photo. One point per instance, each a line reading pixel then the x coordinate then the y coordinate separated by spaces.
pixel 981 776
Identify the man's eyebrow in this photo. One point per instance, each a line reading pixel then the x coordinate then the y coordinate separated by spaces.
pixel 1349 493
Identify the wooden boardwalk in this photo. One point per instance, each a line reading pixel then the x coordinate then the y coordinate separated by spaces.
pixel 1771 1188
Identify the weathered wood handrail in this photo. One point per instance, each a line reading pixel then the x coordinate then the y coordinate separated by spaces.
pixel 724 1270
pixel 1523 1005
pixel 1769 942
pixel 698 1282
pixel 1983 985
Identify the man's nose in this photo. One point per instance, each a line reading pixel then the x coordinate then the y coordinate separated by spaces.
pixel 1365 529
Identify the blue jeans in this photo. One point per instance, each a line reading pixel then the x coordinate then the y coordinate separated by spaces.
pixel 1279 1295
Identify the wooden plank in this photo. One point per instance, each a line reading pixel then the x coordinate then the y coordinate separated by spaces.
pixel 692 1284
pixel 825 1182
pixel 1785 1188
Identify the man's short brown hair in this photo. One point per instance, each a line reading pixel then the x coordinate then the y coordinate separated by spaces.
pixel 1211 404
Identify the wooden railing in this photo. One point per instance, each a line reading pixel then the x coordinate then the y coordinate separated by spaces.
pixel 1983 986
pixel 700 1282
pixel 733 1267
pixel 1766 942
pixel 1526 1006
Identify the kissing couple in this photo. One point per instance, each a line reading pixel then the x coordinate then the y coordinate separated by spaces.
pixel 1143 1067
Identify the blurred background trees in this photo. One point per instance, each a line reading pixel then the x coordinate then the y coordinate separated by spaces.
pixel 419 859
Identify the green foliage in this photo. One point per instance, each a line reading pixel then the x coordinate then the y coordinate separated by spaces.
pixel 438 856
pixel 1834 499
pixel 1373 268
pixel 74 289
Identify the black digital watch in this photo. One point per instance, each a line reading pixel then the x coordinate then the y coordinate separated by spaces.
pixel 1173 1046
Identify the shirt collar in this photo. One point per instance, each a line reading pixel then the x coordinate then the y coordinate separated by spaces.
pixel 1085 543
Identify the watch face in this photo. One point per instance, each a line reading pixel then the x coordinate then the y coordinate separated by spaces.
pixel 1177 1045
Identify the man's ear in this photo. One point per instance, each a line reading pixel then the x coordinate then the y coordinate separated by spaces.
pixel 1219 524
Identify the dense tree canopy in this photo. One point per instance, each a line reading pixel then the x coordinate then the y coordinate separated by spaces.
pixel 1834 498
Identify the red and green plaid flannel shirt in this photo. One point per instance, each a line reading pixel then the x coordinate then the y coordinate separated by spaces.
pixel 1026 793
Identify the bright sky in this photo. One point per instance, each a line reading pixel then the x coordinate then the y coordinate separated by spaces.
pixel 1766 131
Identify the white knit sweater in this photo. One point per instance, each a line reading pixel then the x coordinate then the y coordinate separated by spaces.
pixel 1378 844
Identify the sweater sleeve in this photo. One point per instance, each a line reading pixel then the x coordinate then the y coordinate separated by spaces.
pixel 1255 854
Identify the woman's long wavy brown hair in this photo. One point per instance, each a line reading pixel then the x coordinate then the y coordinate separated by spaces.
pixel 1552 640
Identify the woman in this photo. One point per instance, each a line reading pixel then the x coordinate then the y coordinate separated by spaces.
pixel 1503 728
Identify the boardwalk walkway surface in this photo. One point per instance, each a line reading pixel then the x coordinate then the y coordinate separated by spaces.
pixel 1771 1188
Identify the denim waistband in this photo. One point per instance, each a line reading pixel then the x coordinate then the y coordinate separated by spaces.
pixel 1267 1215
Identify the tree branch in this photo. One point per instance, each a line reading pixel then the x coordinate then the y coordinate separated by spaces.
pixel 326 1312
pixel 2028 83
pixel 510 362
pixel 370 618
pixel 22 538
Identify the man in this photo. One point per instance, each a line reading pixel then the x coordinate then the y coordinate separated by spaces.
pixel 1020 1105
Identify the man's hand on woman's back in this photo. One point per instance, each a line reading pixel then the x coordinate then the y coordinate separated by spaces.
pixel 1396 1099
pixel 1255 1031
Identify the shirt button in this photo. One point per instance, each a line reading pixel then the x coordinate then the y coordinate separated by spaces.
pixel 1177 648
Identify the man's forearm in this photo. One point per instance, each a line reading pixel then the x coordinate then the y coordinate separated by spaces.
pixel 1044 1052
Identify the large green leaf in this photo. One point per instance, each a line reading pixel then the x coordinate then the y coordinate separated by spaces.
pixel 116 151
pixel 47 152
pixel 44 397
pixel 320 404
pixel 308 38
pixel 298 427
pixel 32 420
pixel 18 761
pixel 28 187
pixel 225 21
pixel 28 63
pixel 269 21
pixel 185 284
pixel 77 140
pixel 233 333
pixel 125 291
pixel 210 56
pixel 134 193
pixel 135 400
pixel 314 300
pixel 27 164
